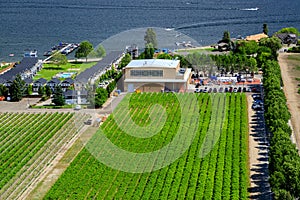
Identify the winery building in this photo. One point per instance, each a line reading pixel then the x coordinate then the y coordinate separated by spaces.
pixel 156 75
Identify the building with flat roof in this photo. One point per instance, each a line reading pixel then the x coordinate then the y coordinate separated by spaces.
pixel 156 75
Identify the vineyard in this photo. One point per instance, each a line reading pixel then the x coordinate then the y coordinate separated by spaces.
pixel 214 166
pixel 28 142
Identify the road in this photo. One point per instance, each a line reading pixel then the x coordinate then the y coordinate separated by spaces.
pixel 22 106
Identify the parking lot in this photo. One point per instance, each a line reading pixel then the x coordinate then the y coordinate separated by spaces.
pixel 227 88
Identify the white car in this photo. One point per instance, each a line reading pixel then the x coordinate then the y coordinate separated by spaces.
pixel 77 107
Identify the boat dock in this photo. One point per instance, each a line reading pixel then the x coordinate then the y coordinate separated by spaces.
pixel 58 51
pixel 62 47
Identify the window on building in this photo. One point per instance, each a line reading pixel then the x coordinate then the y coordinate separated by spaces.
pixel 147 73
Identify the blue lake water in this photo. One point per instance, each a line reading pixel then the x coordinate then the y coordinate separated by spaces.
pixel 41 24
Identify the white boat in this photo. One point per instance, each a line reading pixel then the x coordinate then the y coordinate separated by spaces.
pixel 169 29
pixel 30 53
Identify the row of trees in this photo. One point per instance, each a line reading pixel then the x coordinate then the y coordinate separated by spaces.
pixel 248 55
pixel 284 158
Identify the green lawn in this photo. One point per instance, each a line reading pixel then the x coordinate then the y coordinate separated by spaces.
pixel 50 70
pixel 294 60
pixel 196 50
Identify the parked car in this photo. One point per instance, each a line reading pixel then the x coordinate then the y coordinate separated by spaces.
pixel 88 122
pixel 239 89
pixel 77 107
pixel 209 90
pixel 197 90
pixel 215 90
pixel 256 97
pixel 235 90
pixel 220 89
pixel 226 90
pixel 257 106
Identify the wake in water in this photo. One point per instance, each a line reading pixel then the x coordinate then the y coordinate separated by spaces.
pixel 250 9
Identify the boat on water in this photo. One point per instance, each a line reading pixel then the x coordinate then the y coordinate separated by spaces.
pixel 30 53
pixel 11 55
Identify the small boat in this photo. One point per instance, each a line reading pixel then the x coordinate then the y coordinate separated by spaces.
pixel 30 53
pixel 169 29
pixel 11 55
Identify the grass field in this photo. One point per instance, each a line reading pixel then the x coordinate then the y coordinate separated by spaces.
pixel 213 166
pixel 50 70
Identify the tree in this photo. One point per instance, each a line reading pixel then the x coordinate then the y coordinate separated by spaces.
pixel 29 89
pixel 149 51
pixel 48 91
pixel 59 59
pixel 246 47
pixel 41 90
pixel 3 90
pixel 58 96
pixel 200 62
pixel 291 30
pixel 265 29
pixel 17 89
pixel 84 49
pixel 150 37
pixel 226 37
pixel 165 56
pixel 98 53
pixel 252 64
pixel 125 60
pixel 100 97
pixel 273 43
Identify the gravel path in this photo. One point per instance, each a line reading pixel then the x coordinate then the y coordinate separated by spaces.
pixel 290 90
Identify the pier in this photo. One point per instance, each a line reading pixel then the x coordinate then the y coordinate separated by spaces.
pixel 58 51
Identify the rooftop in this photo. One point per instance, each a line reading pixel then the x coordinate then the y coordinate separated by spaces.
pixel 159 63
pixel 84 76
pixel 256 37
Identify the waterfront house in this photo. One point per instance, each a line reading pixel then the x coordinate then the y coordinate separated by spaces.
pixel 287 38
